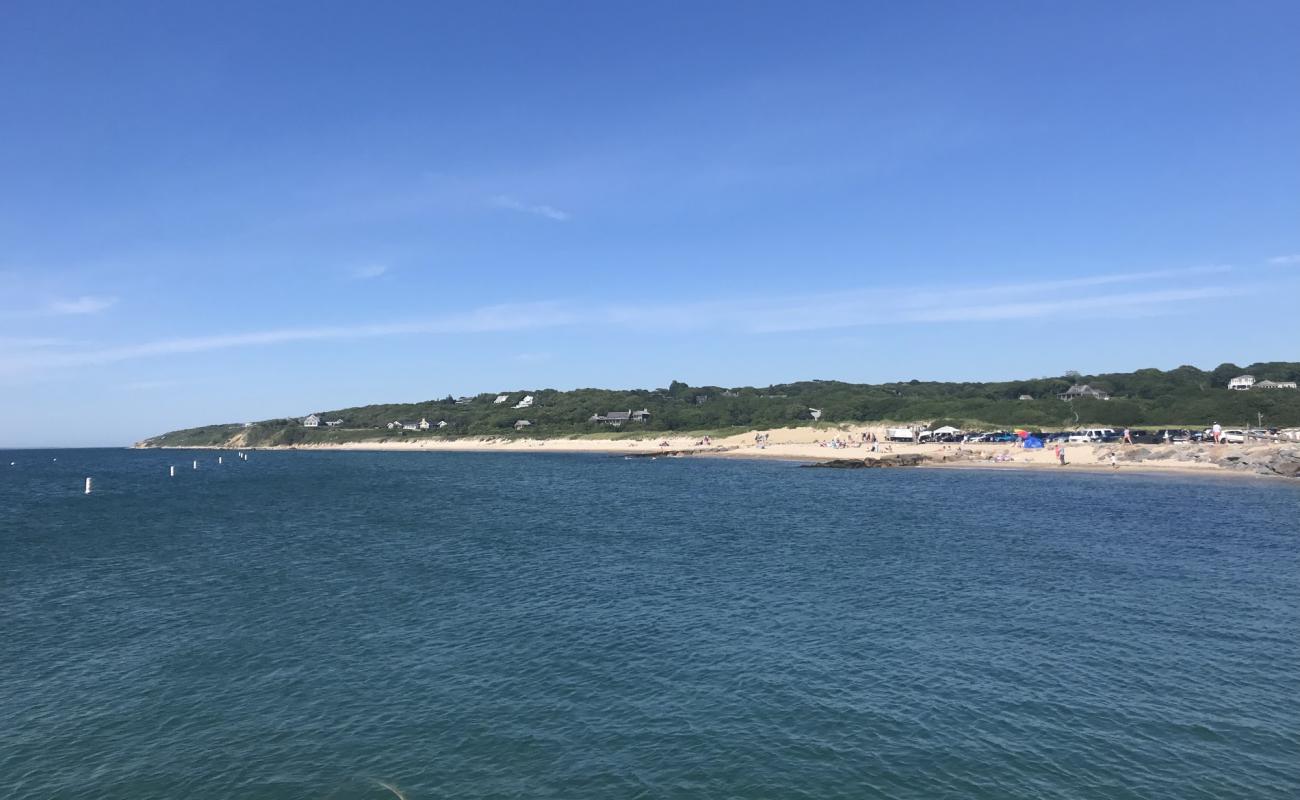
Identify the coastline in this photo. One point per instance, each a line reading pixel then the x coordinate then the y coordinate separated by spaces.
pixel 805 445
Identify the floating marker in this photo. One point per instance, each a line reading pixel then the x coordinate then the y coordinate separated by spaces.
pixel 173 470
pixel 196 465
pixel 87 485
pixel 218 459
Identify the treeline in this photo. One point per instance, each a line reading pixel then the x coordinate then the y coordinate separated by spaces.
pixel 1185 396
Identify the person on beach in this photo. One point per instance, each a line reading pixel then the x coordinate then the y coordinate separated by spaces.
pixel 1060 454
pixel 1114 464
pixel 1217 433
pixel 1128 436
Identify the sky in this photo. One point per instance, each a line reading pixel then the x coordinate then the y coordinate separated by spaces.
pixel 234 211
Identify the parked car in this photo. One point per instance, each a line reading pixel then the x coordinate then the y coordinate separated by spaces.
pixel 1173 435
pixel 1233 436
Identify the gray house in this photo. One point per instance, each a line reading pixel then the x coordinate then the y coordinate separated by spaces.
pixel 617 418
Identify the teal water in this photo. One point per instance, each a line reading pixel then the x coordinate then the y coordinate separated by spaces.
pixel 305 625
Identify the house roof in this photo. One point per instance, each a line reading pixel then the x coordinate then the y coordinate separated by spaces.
pixel 1083 388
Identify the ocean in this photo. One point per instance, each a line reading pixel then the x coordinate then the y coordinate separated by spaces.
pixel 456 625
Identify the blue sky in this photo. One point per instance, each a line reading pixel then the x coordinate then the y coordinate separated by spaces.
pixel 222 212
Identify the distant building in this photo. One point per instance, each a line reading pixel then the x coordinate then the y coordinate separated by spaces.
pixel 392 426
pixel 410 426
pixel 1242 383
pixel 464 401
pixel 521 424
pixel 311 421
pixel 1025 397
pixel 527 402
pixel 1083 390
pixel 617 418
pixel 701 399
pixel 1274 385
pixel 424 424
pixel 334 423
pixel 442 423
pixel 501 398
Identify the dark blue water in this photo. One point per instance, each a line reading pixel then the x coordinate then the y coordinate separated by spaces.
pixel 306 625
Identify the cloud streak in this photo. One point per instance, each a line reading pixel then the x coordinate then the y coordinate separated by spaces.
pixel 85 304
pixel 1140 294
pixel 1285 260
pixel 549 212
pixel 369 272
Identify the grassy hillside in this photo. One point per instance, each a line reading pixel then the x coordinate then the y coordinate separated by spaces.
pixel 1184 396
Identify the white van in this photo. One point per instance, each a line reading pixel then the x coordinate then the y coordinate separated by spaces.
pixel 1089 435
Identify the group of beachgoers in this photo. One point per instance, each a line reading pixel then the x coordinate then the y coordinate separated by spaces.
pixel 868 440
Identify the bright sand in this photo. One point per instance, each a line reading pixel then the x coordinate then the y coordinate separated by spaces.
pixel 805 444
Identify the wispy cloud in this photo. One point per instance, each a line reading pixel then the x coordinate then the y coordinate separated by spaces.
pixel 85 304
pixel 1112 296
pixel 532 358
pixel 549 212
pixel 481 320
pixel 1294 258
pixel 150 386
pixel 31 342
pixel 369 271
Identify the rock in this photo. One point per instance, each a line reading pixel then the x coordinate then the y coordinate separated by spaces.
pixel 900 460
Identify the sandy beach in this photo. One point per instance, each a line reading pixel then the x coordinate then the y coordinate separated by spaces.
pixel 813 445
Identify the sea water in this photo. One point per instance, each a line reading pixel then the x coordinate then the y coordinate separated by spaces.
pixel 359 625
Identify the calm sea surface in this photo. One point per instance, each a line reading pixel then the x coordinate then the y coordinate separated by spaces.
pixel 307 625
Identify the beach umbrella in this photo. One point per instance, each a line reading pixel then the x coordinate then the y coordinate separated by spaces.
pixel 1021 432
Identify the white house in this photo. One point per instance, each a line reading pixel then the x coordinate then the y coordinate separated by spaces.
pixel 1242 383
pixel 334 423
pixel 442 423
pixel 395 425
pixel 1274 385
pixel 424 424
pixel 527 402
pixel 501 398
pixel 311 421
pixel 521 424
pixel 1083 390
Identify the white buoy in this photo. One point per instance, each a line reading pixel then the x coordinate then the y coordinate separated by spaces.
pixel 196 465
pixel 87 485
pixel 218 459
pixel 173 470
